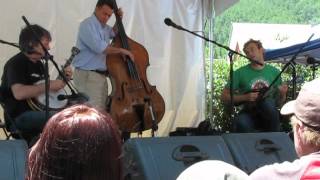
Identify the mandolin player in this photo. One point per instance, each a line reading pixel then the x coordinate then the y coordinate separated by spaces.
pixel 20 74
pixel 257 114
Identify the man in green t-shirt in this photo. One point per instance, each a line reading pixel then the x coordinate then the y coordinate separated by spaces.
pixel 248 82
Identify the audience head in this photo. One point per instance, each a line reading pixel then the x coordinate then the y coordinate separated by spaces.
pixel 305 118
pixel 77 143
pixel 212 170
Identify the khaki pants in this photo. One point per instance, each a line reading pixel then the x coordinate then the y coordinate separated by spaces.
pixel 93 84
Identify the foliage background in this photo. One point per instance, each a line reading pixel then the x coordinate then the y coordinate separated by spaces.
pixel 254 11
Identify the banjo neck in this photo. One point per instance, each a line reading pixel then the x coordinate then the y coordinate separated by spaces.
pixel 74 52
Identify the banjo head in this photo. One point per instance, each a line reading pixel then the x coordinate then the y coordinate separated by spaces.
pixel 54 103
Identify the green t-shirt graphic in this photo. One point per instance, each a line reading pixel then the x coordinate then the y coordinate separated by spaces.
pixel 246 79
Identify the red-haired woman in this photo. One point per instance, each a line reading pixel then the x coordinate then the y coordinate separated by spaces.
pixel 77 143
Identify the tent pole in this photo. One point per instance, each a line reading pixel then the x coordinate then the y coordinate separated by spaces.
pixel 211 59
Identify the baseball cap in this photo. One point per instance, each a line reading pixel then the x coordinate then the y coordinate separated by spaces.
pixel 306 107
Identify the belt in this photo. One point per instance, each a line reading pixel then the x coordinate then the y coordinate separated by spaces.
pixel 105 73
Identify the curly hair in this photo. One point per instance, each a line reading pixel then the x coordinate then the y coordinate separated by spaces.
pixel 257 42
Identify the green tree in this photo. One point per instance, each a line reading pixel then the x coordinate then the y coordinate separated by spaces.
pixel 265 11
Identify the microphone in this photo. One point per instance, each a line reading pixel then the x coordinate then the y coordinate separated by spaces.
pixel 311 60
pixel 168 22
pixel 79 96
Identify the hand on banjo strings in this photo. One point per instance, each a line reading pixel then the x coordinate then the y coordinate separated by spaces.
pixel 56 85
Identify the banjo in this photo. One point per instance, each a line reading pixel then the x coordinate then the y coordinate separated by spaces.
pixel 38 103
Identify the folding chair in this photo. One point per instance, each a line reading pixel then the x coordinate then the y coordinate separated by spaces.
pixel 3 124
pixel 13 131
pixel 9 126
pixel 3 127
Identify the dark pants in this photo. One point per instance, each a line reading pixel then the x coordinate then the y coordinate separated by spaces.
pixel 30 125
pixel 264 117
pixel 30 121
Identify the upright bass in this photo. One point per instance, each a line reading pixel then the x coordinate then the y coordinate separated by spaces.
pixel 133 103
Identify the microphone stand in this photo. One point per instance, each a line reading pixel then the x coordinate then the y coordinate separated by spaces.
pixel 61 74
pixel 294 77
pixel 314 63
pixel 9 43
pixel 46 67
pixel 231 115
pixel 154 126
pixel 231 53
pixel 313 70
pixel 292 63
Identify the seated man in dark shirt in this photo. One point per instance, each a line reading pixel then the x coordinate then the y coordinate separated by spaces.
pixel 20 79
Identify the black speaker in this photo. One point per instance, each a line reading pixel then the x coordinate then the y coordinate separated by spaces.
pixel 166 158
pixel 253 150
pixel 13 159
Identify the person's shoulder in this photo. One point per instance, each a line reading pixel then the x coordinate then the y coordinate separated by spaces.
pixel 88 20
pixel 19 58
pixel 271 69
pixel 243 68
pixel 284 170
pixel 269 66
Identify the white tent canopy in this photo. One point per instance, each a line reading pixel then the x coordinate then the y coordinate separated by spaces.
pixel 272 36
pixel 176 58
